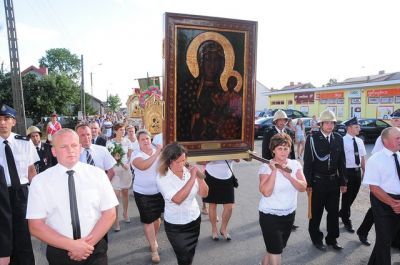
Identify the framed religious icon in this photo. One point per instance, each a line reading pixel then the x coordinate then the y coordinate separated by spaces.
pixel 209 89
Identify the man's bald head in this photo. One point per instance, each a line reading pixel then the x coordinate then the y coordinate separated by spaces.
pixel 391 138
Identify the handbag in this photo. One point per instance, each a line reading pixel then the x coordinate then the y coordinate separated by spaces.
pixel 234 179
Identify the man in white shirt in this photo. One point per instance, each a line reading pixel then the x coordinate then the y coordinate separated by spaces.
pixel 71 206
pixel 94 154
pixel 354 151
pixel 382 174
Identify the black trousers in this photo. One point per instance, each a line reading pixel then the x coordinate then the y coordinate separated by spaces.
pixel 367 223
pixel 56 256
pixel 325 198
pixel 387 223
pixel 353 186
pixel 22 253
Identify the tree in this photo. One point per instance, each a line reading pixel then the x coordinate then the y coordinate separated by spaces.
pixel 332 82
pixel 61 61
pixel 114 103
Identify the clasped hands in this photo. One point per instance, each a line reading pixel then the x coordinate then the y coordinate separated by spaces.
pixel 81 249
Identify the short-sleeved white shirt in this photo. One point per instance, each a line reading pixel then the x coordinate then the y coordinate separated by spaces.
pixel 134 145
pixel 378 145
pixel 219 169
pixel 381 171
pixel 283 200
pixel 349 150
pixel 145 180
pixel 188 210
pixel 49 197
pixel 24 153
pixel 101 157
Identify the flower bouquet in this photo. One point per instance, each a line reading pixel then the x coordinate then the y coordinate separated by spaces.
pixel 117 152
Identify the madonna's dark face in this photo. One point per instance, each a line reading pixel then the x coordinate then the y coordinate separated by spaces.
pixel 211 59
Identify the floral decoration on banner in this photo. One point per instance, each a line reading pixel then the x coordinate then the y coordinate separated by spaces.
pixel 146 94
pixel 117 152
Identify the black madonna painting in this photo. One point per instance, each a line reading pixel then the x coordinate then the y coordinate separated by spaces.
pixel 210 74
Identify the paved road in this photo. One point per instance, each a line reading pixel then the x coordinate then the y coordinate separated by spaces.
pixel 247 247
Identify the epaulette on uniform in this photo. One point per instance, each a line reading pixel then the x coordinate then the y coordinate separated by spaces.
pixel 20 137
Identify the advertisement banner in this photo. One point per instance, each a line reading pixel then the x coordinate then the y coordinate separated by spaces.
pixel 304 97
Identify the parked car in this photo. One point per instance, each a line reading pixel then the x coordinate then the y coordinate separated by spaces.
pixel 260 114
pixel 370 129
pixel 260 125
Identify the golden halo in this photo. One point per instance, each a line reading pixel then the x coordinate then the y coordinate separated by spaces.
pixel 192 63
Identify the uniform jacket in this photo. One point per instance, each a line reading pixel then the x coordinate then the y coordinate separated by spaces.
pixel 268 133
pixel 46 158
pixel 5 218
pixel 337 164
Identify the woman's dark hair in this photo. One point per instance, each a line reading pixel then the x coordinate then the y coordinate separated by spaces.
pixel 170 152
pixel 280 139
pixel 119 125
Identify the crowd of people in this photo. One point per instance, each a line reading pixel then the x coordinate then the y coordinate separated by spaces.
pixel 78 178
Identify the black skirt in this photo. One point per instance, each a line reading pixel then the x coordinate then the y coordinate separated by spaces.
pixel 220 191
pixel 183 239
pixel 150 206
pixel 276 231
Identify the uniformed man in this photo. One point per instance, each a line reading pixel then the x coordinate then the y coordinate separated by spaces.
pixel 17 157
pixel 279 121
pixel 43 149
pixel 324 168
pixel 71 206
pixel 382 174
pixel 5 221
pixel 354 150
pixel 368 221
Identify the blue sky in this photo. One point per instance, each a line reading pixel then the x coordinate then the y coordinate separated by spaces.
pixel 299 41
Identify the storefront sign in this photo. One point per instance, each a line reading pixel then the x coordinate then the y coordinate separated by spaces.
pixel 373 100
pixel 354 93
pixel 356 101
pixel 386 100
pixel 383 92
pixel 304 97
pixel 328 95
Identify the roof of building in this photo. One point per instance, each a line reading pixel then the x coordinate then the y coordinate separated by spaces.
pixel 299 85
pixel 41 71
pixel 382 76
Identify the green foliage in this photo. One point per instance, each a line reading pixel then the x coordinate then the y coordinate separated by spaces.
pixel 117 152
pixel 114 103
pixel 61 61
pixel 332 82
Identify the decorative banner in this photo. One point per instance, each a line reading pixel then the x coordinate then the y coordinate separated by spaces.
pixel 383 92
pixel 329 95
pixel 304 97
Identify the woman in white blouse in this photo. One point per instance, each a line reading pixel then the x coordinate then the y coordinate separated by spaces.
pixel 278 203
pixel 179 187
pixel 122 179
pixel 148 198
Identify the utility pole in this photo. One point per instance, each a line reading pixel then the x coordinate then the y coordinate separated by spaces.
pixel 83 109
pixel 16 82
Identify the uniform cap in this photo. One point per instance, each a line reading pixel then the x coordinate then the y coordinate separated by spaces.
pixel 327 115
pixel 33 129
pixel 7 111
pixel 280 114
pixel 352 121
pixel 395 115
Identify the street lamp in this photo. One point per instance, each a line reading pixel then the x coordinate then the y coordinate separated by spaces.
pixel 91 77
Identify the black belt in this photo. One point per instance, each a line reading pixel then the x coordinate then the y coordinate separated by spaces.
pixel 356 169
pixel 325 176
pixel 22 185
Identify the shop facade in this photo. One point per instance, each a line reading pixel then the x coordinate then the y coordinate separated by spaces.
pixel 365 100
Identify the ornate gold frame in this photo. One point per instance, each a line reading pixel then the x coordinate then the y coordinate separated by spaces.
pixel 216 29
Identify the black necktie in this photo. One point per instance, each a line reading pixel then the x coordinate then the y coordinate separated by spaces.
pixel 89 158
pixel 327 138
pixel 37 149
pixel 397 164
pixel 92 141
pixel 12 168
pixel 73 206
pixel 356 154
